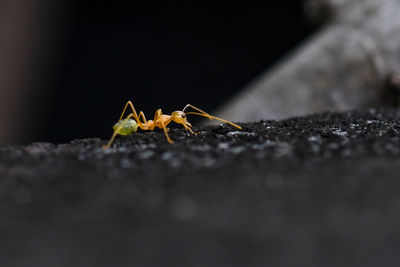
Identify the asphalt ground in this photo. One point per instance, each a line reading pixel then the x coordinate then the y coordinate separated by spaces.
pixel 320 190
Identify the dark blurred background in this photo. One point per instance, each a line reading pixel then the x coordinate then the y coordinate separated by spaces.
pixel 69 67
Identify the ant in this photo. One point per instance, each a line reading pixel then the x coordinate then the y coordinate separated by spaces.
pixel 129 125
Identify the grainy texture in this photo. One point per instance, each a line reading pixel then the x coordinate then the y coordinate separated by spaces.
pixel 312 191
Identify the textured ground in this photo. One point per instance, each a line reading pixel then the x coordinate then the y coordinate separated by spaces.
pixel 314 191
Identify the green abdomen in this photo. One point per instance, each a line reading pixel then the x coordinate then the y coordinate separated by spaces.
pixel 128 128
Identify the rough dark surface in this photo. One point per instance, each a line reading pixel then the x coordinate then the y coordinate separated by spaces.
pixel 320 190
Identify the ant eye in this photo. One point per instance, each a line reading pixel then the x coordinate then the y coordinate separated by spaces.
pixel 183 115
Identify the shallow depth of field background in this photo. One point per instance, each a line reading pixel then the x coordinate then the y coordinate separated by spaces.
pixel 67 68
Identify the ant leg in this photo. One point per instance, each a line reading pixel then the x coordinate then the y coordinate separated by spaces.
pixel 157 117
pixel 135 116
pixel 205 114
pixel 155 120
pixel 166 133
pixel 216 118
pixel 157 114
pixel 133 110
pixel 116 131
pixel 143 117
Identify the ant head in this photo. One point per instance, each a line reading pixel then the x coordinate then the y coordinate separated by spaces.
pixel 179 117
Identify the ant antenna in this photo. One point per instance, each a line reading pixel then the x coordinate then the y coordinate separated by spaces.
pixel 205 114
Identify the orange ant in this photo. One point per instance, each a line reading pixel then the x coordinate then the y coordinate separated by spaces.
pixel 128 125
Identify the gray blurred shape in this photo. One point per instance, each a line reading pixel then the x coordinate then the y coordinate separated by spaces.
pixel 342 67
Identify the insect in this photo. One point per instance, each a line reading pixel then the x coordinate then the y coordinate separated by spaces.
pixel 133 121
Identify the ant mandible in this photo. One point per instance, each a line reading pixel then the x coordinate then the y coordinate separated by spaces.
pixel 128 125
